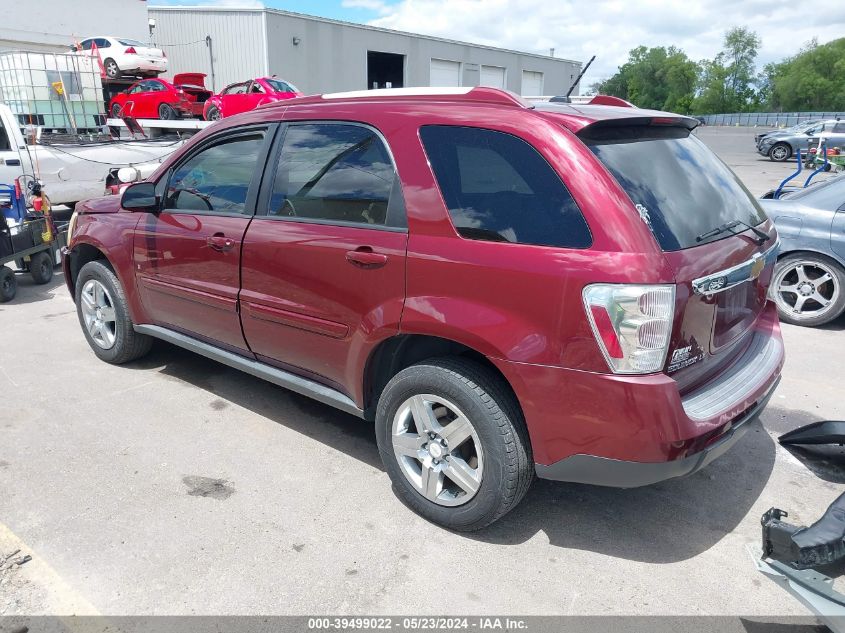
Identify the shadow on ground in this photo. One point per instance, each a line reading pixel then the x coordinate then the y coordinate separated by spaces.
pixel 664 523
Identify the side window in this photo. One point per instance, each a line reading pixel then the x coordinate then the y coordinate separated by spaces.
pixel 499 188
pixel 139 87
pixel 102 42
pixel 840 128
pixel 217 179
pixel 155 86
pixel 86 45
pixel 333 172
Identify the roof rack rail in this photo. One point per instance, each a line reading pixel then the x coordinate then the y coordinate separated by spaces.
pixel 609 100
pixel 477 94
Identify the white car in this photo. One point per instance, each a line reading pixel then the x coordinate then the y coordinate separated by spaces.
pixel 121 56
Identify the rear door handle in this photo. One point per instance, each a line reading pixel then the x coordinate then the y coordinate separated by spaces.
pixel 220 242
pixel 364 257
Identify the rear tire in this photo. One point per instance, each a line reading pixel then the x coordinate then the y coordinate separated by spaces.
pixel 166 112
pixel 41 267
pixel 808 289
pixel 8 284
pixel 112 69
pixel 491 456
pixel 116 340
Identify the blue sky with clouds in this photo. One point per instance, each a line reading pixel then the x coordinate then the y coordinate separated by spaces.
pixel 577 29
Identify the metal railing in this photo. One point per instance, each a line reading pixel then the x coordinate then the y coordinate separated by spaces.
pixel 768 119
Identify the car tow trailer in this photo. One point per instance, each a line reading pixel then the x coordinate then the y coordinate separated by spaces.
pixel 24 236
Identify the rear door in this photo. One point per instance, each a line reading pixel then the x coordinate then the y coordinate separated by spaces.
pixel 684 193
pixel 323 274
pixel 187 257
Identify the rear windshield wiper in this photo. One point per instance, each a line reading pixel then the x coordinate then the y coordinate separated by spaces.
pixel 762 236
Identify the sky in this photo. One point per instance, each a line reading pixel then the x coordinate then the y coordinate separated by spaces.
pixel 578 29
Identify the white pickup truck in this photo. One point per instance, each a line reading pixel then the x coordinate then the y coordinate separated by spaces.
pixel 74 171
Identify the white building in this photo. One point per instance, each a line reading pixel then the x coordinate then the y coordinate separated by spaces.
pixel 322 55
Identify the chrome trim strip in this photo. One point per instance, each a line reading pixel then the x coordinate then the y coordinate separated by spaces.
pixel 736 275
pixel 744 377
pixel 300 385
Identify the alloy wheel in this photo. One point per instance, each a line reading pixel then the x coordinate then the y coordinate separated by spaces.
pixel 438 449
pixel 779 152
pixel 99 314
pixel 805 289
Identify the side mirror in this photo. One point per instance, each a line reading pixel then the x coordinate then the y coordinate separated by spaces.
pixel 141 196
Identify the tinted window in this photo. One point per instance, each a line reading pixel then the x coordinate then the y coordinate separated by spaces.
pixel 216 180
pixel 840 128
pixel 280 86
pixel 681 187
pixel 332 172
pixel 498 187
pixel 102 42
pixel 86 45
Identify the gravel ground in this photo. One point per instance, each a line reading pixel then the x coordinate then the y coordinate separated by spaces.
pixel 175 485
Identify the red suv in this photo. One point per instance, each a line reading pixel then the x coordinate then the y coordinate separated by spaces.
pixel 572 291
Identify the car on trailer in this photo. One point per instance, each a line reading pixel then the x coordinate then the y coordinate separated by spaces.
pixel 248 95
pixel 158 98
pixel 121 56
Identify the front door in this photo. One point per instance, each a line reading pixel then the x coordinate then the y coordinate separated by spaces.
pixel 323 274
pixel 188 255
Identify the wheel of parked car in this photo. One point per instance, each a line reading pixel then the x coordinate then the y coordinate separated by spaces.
pixel 213 114
pixel 808 289
pixel 8 284
pixel 104 315
pixel 116 111
pixel 41 267
pixel 453 440
pixel 112 69
pixel 780 152
pixel 166 112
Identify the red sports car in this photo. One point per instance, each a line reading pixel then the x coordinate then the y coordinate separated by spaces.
pixel 161 99
pixel 248 95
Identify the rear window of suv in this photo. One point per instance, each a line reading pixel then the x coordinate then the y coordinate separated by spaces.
pixel 680 187
pixel 499 188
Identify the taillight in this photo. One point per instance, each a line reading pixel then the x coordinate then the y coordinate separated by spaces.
pixel 130 51
pixel 632 324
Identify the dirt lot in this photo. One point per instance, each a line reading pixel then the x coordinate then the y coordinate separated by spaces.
pixel 175 485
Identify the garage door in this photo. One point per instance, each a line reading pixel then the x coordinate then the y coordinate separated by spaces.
pixel 445 73
pixel 532 83
pixel 493 76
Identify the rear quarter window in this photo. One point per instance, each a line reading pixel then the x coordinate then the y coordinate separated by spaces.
pixel 497 187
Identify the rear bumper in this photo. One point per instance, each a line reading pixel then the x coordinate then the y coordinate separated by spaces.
pixel 602 471
pixel 629 431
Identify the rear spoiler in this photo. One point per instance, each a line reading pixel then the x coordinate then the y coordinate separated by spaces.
pixel 638 128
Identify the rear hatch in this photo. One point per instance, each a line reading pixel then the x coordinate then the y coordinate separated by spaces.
pixel 684 193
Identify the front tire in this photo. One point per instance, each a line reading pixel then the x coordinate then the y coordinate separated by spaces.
pixel 104 316
pixel 41 267
pixel 213 114
pixel 808 289
pixel 453 441
pixel 780 152
pixel 116 111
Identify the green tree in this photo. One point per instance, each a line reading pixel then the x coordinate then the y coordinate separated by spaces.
pixel 658 78
pixel 812 80
pixel 728 81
